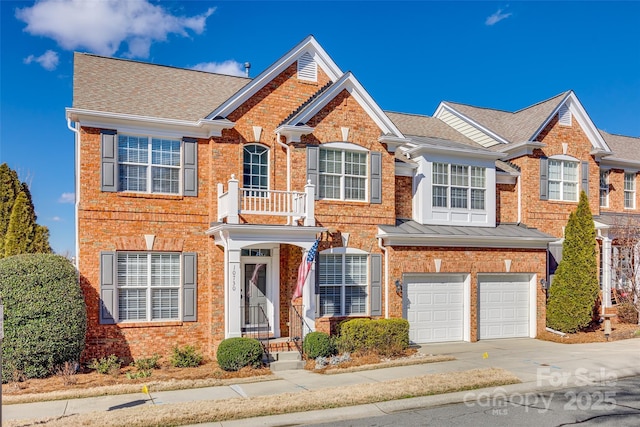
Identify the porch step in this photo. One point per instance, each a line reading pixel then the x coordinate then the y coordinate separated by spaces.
pixel 285 361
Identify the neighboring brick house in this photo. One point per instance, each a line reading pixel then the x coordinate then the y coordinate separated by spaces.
pixel 198 196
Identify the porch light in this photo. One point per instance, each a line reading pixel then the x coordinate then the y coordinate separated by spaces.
pixel 398 287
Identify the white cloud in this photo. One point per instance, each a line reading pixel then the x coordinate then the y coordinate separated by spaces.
pixel 49 60
pixel 102 26
pixel 229 67
pixel 67 198
pixel 56 219
pixel 496 17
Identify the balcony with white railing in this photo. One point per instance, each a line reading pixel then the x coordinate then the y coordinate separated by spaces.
pixel 294 204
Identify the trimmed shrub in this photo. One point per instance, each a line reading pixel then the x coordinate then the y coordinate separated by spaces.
pixel 185 357
pixel 109 365
pixel 318 344
pixel 627 313
pixel 383 336
pixel 44 315
pixel 147 363
pixel 235 353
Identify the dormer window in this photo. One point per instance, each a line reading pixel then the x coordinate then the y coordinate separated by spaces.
pixel 458 186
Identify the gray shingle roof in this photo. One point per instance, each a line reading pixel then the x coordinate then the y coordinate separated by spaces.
pixel 518 126
pixel 419 125
pixel 138 88
pixel 623 147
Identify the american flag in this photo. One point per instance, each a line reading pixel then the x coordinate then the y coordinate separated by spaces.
pixel 303 269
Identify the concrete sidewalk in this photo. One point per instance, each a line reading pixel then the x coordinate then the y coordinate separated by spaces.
pixel 540 365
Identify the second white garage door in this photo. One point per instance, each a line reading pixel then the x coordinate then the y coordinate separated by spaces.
pixel 434 308
pixel 504 306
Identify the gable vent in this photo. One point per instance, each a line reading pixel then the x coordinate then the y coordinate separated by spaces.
pixel 564 115
pixel 307 68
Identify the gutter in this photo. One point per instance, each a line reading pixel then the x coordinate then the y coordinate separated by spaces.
pixel 76 138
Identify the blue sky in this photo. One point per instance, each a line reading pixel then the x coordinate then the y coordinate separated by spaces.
pixel 408 55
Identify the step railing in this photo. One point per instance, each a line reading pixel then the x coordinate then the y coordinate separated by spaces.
pixel 257 326
pixel 298 327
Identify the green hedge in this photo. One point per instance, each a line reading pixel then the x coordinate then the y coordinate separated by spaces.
pixel 44 315
pixel 235 353
pixel 318 344
pixel 382 336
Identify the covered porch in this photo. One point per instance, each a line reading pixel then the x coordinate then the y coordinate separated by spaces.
pixel 260 271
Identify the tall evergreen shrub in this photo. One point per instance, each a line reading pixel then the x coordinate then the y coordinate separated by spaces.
pixel 575 287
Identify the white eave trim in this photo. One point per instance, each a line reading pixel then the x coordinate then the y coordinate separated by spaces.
pixel 144 124
pixel 349 83
pixel 293 133
pixel 520 149
pixel 309 44
pixel 580 114
pixel 405 169
pixel 614 162
pixel 506 178
pixel 392 142
pixel 465 241
pixel 265 233
pixel 452 110
pixel 459 151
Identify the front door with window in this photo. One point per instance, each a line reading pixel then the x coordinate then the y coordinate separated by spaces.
pixel 254 311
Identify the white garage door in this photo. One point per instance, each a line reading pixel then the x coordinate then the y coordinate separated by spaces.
pixel 504 306
pixel 434 308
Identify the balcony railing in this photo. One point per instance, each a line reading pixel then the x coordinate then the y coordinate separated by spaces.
pixel 236 201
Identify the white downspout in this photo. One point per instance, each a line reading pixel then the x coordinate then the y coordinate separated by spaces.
pixel 286 147
pixel 519 199
pixel 386 277
pixel 75 130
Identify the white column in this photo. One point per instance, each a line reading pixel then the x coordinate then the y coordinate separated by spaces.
pixel 234 295
pixel 233 201
pixel 310 214
pixel 606 272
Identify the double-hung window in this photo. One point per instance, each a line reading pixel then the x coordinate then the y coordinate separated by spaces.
pixel 343 284
pixel 629 190
pixel 604 188
pixel 343 174
pixel 458 186
pixel 563 180
pixel 149 165
pixel 148 286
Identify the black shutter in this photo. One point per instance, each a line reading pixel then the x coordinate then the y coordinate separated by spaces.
pixel 190 167
pixel 376 177
pixel 376 285
pixel 108 285
pixel 313 166
pixel 109 163
pixel 544 178
pixel 190 286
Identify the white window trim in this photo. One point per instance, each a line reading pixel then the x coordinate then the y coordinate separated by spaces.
pixel 468 187
pixel 344 148
pixel 604 188
pixel 268 152
pixel 563 160
pixel 149 165
pixel 631 191
pixel 148 288
pixel 367 285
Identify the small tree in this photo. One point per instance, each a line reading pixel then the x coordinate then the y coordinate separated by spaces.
pixel 575 287
pixel 22 227
pixel 625 263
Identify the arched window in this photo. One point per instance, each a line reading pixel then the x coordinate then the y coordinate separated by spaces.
pixel 255 172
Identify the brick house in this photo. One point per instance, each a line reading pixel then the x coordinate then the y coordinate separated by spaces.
pixel 199 195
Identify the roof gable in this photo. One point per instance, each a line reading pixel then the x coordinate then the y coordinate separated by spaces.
pixel 349 83
pixel 307 47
